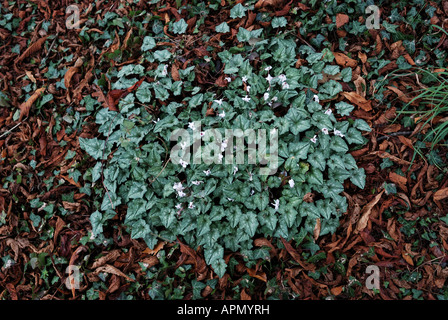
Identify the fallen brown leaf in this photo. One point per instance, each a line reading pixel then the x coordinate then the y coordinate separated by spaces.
pixel 245 296
pixel 341 20
pixel 344 61
pixel 366 211
pixel 296 256
pixel 259 275
pixel 336 290
pixel 401 95
pixel 112 270
pixel 316 231
pixel 36 46
pixel 384 154
pixel 359 100
pixel 156 249
pixel 113 255
pixel 399 180
pixel 441 194
pixel 26 106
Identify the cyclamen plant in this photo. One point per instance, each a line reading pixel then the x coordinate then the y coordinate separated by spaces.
pixel 223 207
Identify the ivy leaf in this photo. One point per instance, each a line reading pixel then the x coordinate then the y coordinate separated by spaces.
pixel 131 69
pixel 180 26
pixel 213 253
pixel 243 35
pixel 203 225
pixel 222 28
pixel 143 93
pixel 162 55
pixel 94 147
pixel 219 266
pixel 96 220
pixel 279 22
pixel 238 11
pixel 148 43
pixel 137 190
pixel 136 209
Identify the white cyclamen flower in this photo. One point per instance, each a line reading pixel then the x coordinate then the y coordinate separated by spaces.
pixel 268 68
pixel 165 71
pixel 269 78
pixel 178 186
pixel 247 88
pixel 291 183
pixel 191 126
pixel 183 163
pixel 276 204
pixel 181 194
pixel 235 170
pixel 314 139
pixel 325 130
pixel 246 98
pixel 338 133
pixel 191 205
pixel 179 206
pixel 282 78
pixel 285 85
pixel 207 172
pixel 222 114
pixel 244 78
pixel 266 96
pixel 328 112
pixel 197 182
pixel 316 98
pixel 224 145
pixel 218 101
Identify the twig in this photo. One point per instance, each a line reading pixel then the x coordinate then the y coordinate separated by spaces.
pixel 10 130
pixel 51 47
pixel 394 134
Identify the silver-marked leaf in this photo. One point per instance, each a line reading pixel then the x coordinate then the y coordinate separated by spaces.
pixel 362 125
pixel 358 178
pixel 315 177
pixel 344 108
pixel 338 144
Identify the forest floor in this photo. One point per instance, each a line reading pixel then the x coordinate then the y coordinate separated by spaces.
pixel 53 81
